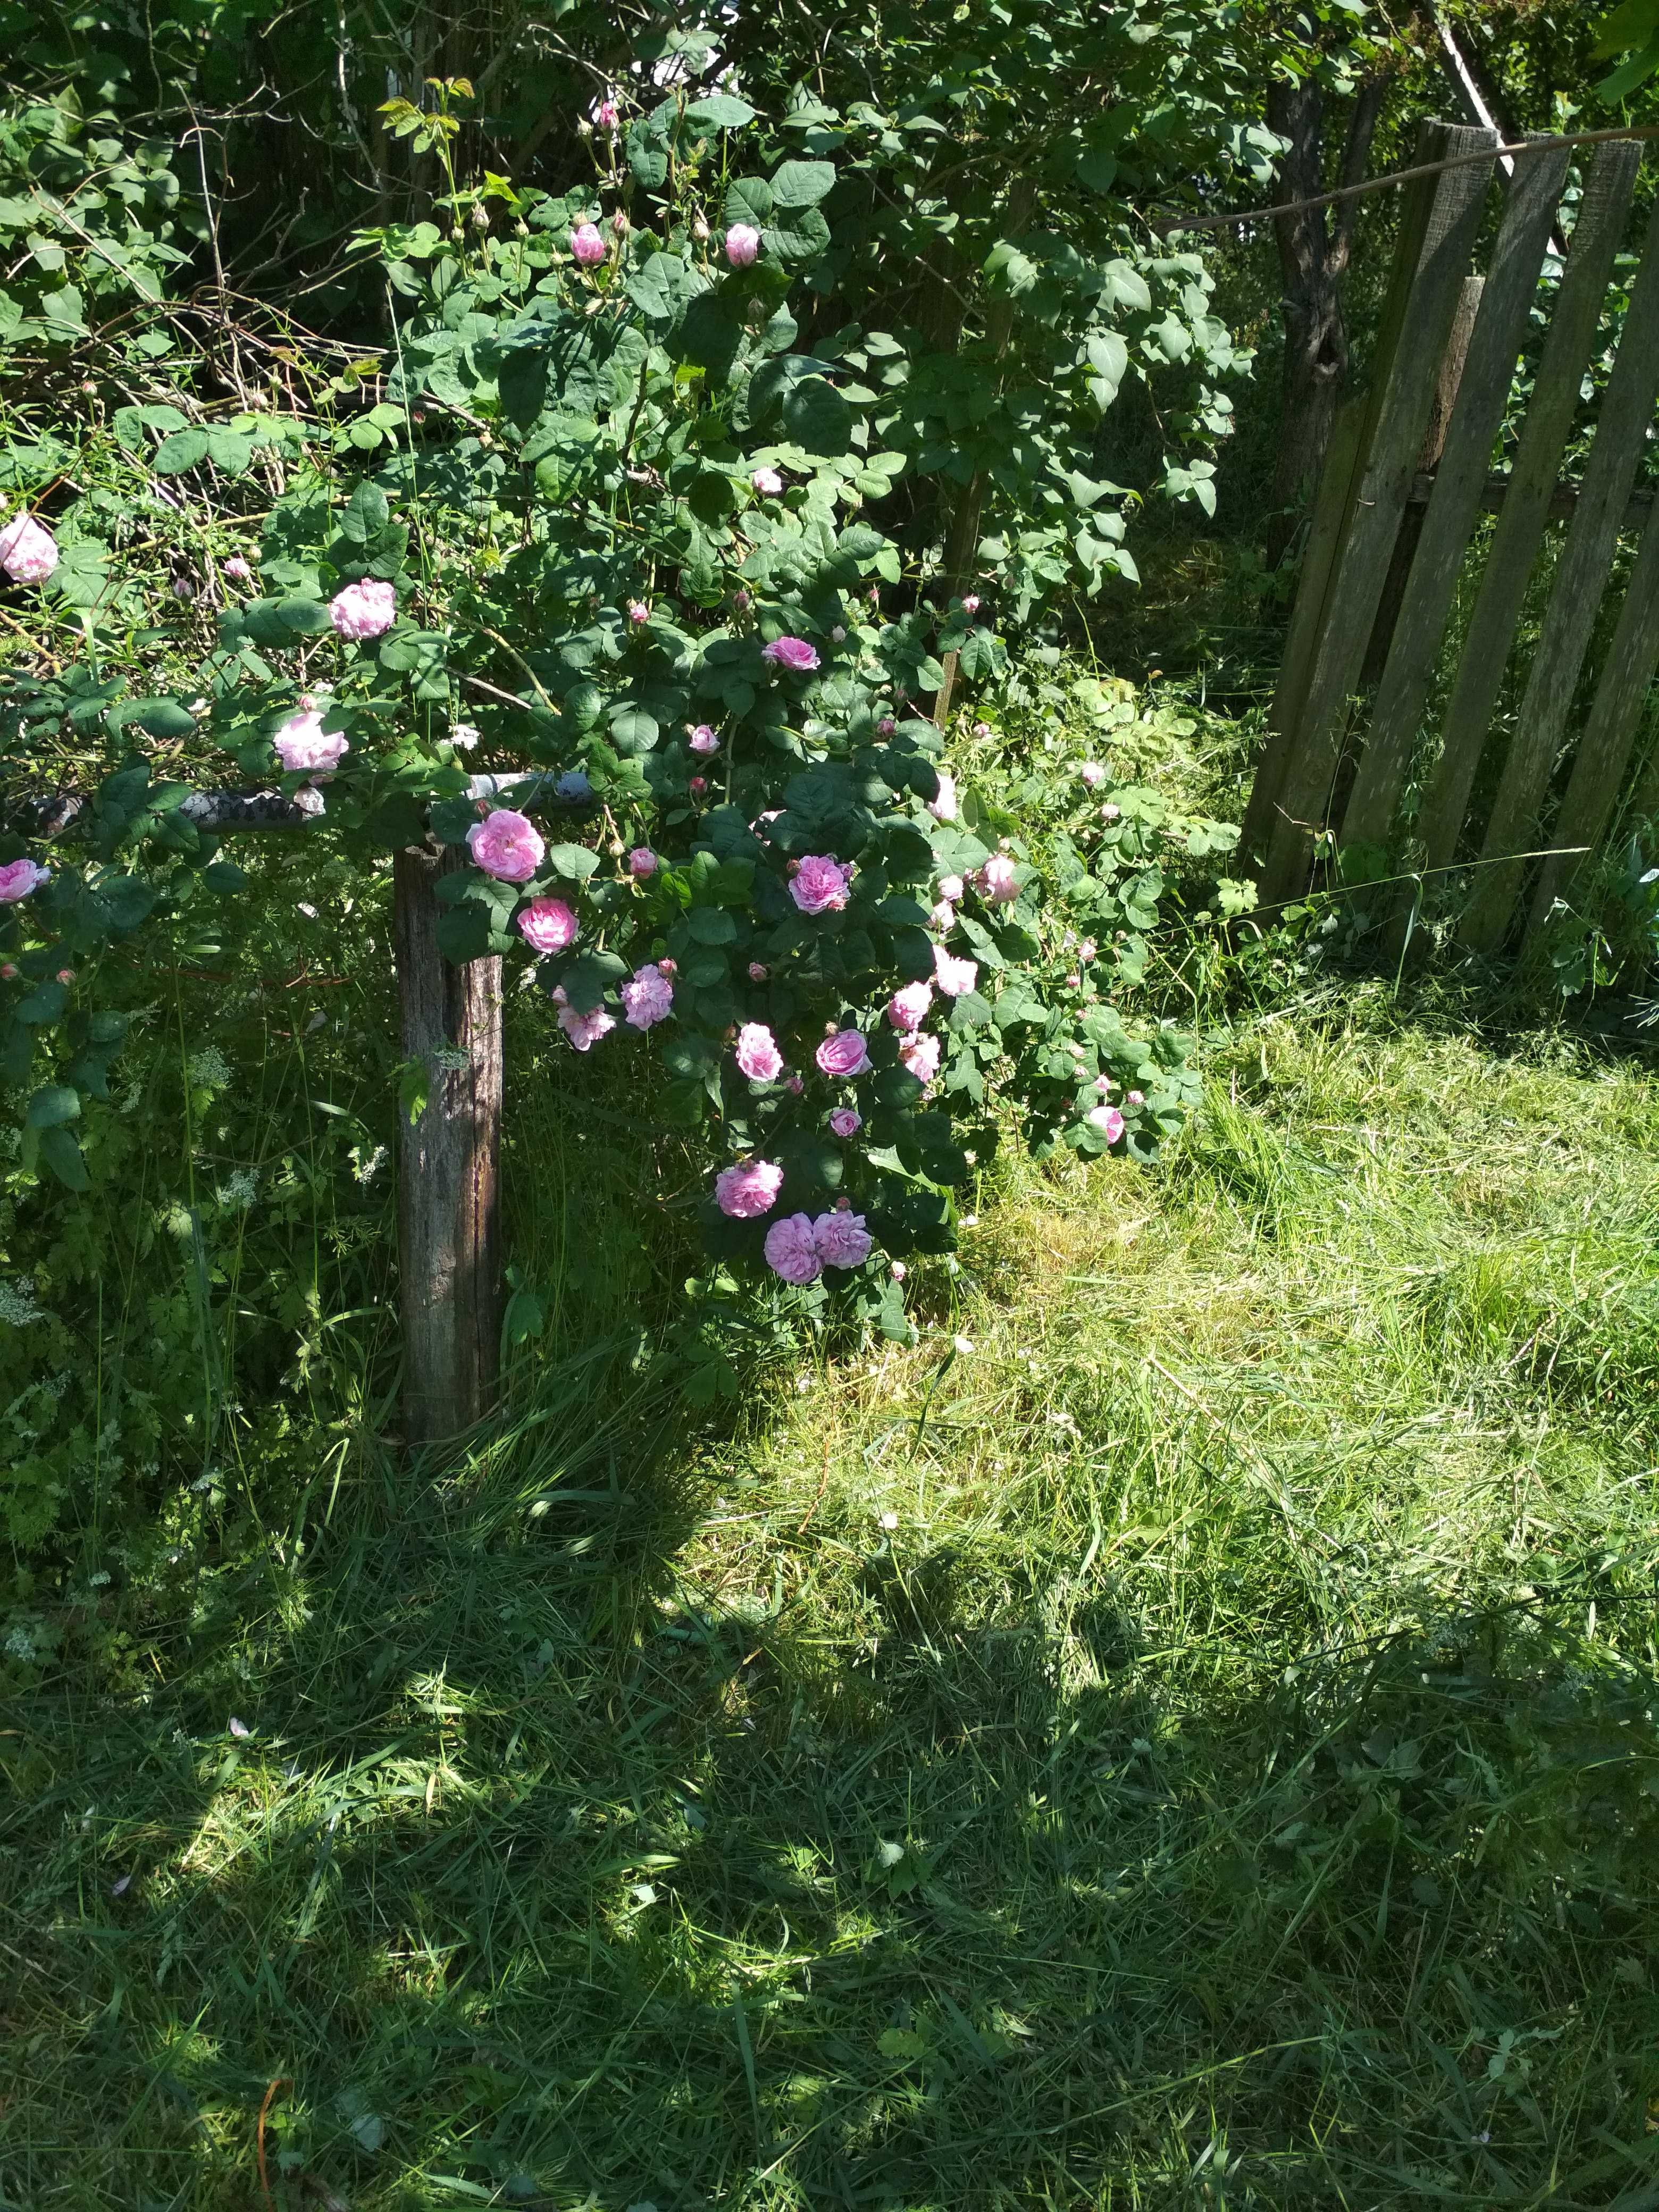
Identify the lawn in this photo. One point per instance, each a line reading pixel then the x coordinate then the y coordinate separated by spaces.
pixel 1183 1733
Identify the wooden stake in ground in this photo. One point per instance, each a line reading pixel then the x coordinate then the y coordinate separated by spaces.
pixel 449 1165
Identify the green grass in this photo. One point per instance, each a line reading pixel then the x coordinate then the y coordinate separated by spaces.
pixel 1195 1746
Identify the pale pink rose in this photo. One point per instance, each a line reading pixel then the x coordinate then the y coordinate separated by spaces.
pixel 943 918
pixel 843 1055
pixel 920 1055
pixel 547 924
pixel 585 1031
pixel 648 997
pixel 846 1123
pixel 238 570
pixel 1087 950
pixel 19 877
pixel 908 1008
pixel 792 1250
pixel 819 884
pixel 303 747
pixel 1092 774
pixel 970 603
pixel 1103 1086
pixel 1109 1120
pixel 995 882
pixel 757 972
pixel 757 1053
pixel 1110 812
pixel 1136 1098
pixel 363 611
pixel 745 1193
pixel 951 887
pixel 605 114
pixel 507 844
pixel 642 861
pixel 841 1239
pixel 791 652
pixel 743 243
pixel 943 805
pixel 28 552
pixel 703 740
pixel 587 244
pixel 898 1271
pixel 638 612
pixel 767 482
pixel 953 976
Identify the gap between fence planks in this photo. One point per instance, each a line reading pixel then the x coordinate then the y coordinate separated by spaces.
pixel 1621 432
pixel 1437 232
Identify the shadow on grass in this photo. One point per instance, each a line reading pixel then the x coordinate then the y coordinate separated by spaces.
pixel 541 1877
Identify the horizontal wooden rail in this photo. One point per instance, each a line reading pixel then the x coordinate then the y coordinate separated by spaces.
pixel 1562 502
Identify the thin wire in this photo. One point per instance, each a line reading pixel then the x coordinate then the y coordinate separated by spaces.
pixel 1167 223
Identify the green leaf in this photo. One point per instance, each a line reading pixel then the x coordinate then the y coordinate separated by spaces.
pixel 365 515
pixel 802 184
pixel 309 616
pixel 588 980
pixel 224 876
pixel 711 925
pixel 633 731
pixel 414 1089
pixel 52 1105
pixel 815 416
pixel 803 235
pixel 573 862
pixel 185 449
pixel 44 1006
pixel 1630 25
pixel 749 200
pixel 62 1154
pixel 719 110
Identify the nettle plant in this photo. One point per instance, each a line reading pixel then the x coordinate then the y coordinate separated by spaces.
pixel 616 547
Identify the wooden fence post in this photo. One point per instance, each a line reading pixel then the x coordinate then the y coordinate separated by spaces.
pixel 449 1164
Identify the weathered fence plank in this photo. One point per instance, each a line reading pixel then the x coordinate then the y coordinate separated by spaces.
pixel 1531 486
pixel 1436 239
pixel 1620 436
pixel 1488 370
pixel 449 1172
pixel 1605 748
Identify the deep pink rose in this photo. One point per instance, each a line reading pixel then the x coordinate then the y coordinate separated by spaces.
pixel 743 243
pixel 920 1055
pixel 587 244
pixel 28 552
pixel 791 652
pixel 907 1010
pixel 363 611
pixel 745 1193
pixel 547 924
pixel 605 114
pixel 845 1123
pixel 952 976
pixel 303 747
pixel 757 1053
pixel 19 877
pixel 843 1055
pixel 841 1239
pixel 819 884
pixel 1108 1118
pixel 641 861
pixel 792 1250
pixel 648 997
pixel 507 844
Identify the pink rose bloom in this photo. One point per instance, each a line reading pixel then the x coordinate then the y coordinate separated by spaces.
pixel 745 1193
pixel 757 1053
pixel 841 1239
pixel 647 996
pixel 638 612
pixel 794 1085
pixel 843 1055
pixel 943 805
pixel 920 1055
pixel 1092 774
pixel 970 603
pixel 1108 1118
pixel 507 845
pixel 547 924
pixel 605 115
pixel 792 1250
pixel 943 918
pixel 703 740
pixel 743 243
pixel 885 727
pixel 838 636
pixel 995 882
pixel 845 1123
pixel 237 569
pixel 587 244
pixel 363 611
pixel 302 745
pixel 1087 950
pixel 28 552
pixel 952 976
pixel 907 1009
pixel 758 972
pixel 898 1271
pixel 641 861
pixel 19 877
pixel 767 482
pixel 951 887
pixel 819 884
pixel 1137 1098
pixel 981 729
pixel 1108 812
pixel 585 1031
pixel 791 652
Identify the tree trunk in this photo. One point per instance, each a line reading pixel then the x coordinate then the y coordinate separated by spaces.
pixel 1314 245
pixel 449 1165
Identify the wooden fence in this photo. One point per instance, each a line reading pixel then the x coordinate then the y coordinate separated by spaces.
pixel 1405 487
